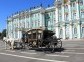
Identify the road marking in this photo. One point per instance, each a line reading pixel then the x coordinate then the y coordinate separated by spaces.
pixel 69 50
pixel 57 55
pixel 28 53
pixel 9 51
pixel 31 58
pixel 71 53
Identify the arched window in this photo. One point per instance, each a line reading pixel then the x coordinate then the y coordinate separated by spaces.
pixel 75 30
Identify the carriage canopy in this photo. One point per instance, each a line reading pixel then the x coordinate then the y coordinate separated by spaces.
pixel 39 33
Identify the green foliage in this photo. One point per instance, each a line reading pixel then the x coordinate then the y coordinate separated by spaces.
pixel 65 1
pixel 72 0
pixel 0 34
pixel 3 34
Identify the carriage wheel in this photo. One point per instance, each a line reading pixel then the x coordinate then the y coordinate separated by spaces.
pixel 52 46
pixel 59 44
pixel 29 45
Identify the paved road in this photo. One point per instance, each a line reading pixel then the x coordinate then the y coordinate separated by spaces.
pixel 74 52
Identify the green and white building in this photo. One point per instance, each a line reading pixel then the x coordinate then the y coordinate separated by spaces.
pixel 65 18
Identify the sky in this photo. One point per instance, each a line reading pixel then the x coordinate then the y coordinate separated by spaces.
pixel 9 7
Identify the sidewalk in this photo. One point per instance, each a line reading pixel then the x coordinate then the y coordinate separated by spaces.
pixel 79 43
pixel 2 45
pixel 73 40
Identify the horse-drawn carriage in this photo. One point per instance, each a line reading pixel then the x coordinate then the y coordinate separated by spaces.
pixel 38 38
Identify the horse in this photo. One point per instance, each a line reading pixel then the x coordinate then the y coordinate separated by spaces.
pixel 9 41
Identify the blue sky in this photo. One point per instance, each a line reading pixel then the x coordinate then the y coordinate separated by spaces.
pixel 9 7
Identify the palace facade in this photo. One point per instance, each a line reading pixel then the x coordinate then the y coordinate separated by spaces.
pixel 65 18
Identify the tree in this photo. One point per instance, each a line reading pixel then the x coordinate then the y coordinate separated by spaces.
pixel 65 1
pixel 0 34
pixel 3 33
pixel 72 0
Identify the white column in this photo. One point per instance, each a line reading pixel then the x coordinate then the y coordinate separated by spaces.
pixel 7 29
pixel 25 23
pixel 78 17
pixel 62 13
pixel 69 7
pixel 41 19
pixel 63 21
pixel 77 13
pixel 29 21
pixel 70 30
pixel 11 29
pixel 79 31
pixel 63 32
pixel 18 28
pixel 56 17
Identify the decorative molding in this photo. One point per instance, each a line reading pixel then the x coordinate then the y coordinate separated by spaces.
pixel 74 11
pixel 66 13
pixel 82 10
pixel 42 11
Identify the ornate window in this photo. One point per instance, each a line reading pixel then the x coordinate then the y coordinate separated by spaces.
pixel 81 2
pixel 82 14
pixel 66 17
pixel 74 15
pixel 73 4
pixel 82 29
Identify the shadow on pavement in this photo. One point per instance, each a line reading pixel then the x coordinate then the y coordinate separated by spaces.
pixel 45 50
pixel 48 50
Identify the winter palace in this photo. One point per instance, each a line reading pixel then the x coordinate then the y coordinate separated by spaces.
pixel 65 18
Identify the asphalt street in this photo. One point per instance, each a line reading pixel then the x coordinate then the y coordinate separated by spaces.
pixel 73 51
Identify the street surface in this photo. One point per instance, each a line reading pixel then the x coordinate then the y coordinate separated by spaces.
pixel 73 51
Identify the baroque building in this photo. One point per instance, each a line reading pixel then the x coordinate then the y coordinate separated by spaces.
pixel 65 18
